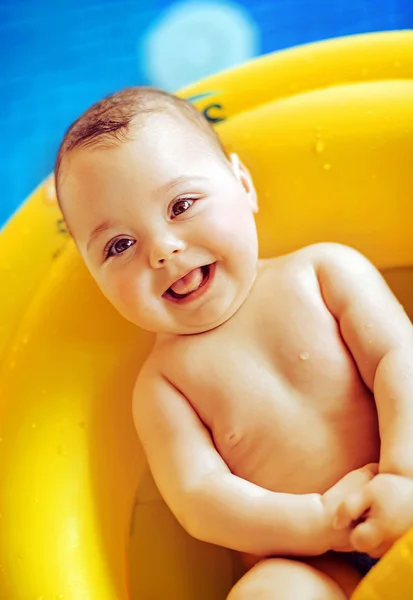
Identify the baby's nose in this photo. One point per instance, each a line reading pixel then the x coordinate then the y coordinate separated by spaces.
pixel 164 249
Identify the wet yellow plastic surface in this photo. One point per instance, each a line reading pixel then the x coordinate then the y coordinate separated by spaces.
pixel 327 131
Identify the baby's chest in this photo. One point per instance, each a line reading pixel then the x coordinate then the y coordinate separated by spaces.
pixel 238 395
pixel 258 412
pixel 247 381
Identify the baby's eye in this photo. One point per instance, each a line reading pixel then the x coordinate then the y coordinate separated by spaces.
pixel 181 206
pixel 119 246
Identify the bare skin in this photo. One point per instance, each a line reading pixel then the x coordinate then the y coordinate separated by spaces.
pixel 280 377
pixel 275 409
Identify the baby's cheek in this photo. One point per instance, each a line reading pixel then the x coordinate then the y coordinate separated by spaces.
pixel 128 292
pixel 228 230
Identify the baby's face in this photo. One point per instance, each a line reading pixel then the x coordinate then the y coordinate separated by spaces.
pixel 165 225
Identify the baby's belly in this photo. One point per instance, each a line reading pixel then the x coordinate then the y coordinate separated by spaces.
pixel 306 450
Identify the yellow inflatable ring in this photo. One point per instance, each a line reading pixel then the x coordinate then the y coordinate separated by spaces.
pixel 327 131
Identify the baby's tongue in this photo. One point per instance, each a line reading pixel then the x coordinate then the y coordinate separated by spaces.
pixel 189 283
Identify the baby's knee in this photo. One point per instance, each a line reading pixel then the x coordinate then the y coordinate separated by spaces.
pixel 286 579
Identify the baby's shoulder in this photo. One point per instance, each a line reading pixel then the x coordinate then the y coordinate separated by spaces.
pixel 169 358
pixel 311 256
pixel 303 271
pixel 287 266
pixel 153 376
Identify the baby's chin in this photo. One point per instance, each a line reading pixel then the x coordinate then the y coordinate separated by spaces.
pixel 196 327
pixel 192 323
pixel 179 328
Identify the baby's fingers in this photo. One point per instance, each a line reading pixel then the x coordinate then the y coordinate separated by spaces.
pixel 367 537
pixel 352 509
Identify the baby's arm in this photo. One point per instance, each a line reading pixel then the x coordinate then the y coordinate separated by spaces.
pixel 379 335
pixel 210 502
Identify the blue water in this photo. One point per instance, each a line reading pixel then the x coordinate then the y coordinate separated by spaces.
pixel 59 56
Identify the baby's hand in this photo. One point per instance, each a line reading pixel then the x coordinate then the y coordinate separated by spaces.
pixel 355 481
pixel 380 513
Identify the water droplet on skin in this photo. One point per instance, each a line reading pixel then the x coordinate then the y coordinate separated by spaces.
pixel 319 146
pixel 326 166
pixel 304 355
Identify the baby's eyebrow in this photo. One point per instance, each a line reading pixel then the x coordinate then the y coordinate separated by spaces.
pixel 177 181
pixel 97 231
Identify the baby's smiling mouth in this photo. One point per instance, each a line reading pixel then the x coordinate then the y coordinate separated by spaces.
pixel 187 285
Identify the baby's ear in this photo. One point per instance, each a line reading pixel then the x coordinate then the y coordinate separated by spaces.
pixel 241 172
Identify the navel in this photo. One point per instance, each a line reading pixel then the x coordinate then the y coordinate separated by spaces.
pixel 231 438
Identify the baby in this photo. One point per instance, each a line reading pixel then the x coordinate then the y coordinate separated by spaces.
pixel 276 407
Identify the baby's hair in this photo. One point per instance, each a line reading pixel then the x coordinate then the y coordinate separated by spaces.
pixel 110 120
